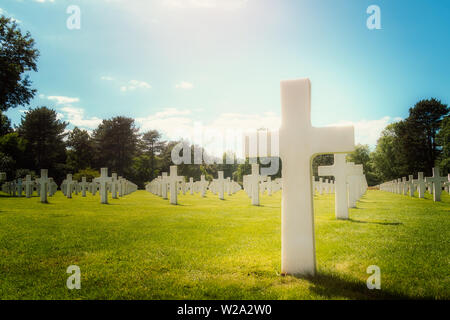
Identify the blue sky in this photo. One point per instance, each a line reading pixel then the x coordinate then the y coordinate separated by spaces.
pixel 171 63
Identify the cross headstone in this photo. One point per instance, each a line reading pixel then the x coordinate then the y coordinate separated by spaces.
pixel 437 181
pixel 163 185
pixel 173 179
pixel 203 185
pixel 299 141
pixel 114 184
pixel 84 186
pixel 340 170
pixel 52 187
pixel 103 181
pixel 220 183
pixel 253 181
pixel 43 183
pixel 19 187
pixel 410 186
pixel 69 186
pixel 404 186
pixel 28 186
pixel 191 186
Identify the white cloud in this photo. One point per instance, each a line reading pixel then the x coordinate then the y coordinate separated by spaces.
pixel 170 121
pixel 61 99
pixel 135 84
pixel 76 117
pixel 368 131
pixel 184 85
pixel 180 124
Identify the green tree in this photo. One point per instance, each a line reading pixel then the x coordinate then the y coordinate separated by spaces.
pixel 443 139
pixel 362 155
pixel 80 154
pixel 45 135
pixel 5 125
pixel 18 56
pixel 152 146
pixel 425 121
pixel 116 142
pixel 14 146
pixel 89 173
pixel 322 160
pixel 386 159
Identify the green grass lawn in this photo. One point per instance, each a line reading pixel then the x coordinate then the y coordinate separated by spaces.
pixel 141 247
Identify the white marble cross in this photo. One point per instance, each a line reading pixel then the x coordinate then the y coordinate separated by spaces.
pixel 84 185
pixel 437 181
pixel 220 183
pixel 340 170
pixel 203 185
pixel 103 182
pixel 173 180
pixel 28 186
pixel 228 186
pixel 190 186
pixel 52 187
pixel 43 183
pixel 253 183
pixel 410 186
pixel 163 185
pixel 69 186
pixel 299 142
pixel 19 187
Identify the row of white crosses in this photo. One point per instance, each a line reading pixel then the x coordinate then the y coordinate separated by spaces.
pixel 45 186
pixel 408 186
pixel 172 184
pixel 255 185
pixel 166 185
pixel 222 186
pixel 118 186
pixel 350 184
pixel 323 186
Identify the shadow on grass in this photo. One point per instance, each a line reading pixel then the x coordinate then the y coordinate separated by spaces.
pixel 334 286
pixel 380 223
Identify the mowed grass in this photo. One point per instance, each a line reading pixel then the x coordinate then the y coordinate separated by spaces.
pixel 141 247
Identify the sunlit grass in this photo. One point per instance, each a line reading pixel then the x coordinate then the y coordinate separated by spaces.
pixel 141 247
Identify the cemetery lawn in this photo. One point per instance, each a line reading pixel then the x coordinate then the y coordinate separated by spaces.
pixel 141 247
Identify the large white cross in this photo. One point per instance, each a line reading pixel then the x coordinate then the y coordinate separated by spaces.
pixel 340 170
pixel 437 181
pixel 173 179
pixel 299 142
pixel 43 183
pixel 103 181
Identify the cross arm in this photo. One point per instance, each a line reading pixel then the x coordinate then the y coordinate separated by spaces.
pixel 326 171
pixel 332 140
